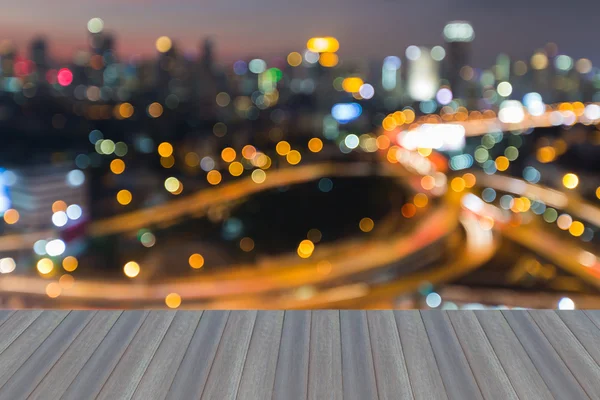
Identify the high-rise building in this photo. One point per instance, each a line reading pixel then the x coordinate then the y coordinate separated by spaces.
pixel 458 36
pixel 38 55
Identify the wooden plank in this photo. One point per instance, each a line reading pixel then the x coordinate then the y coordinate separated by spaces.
pixel 584 330
pixel 577 359
pixel 62 374
pixel 224 377
pixel 423 371
pixel 325 359
pixel 15 325
pixel 191 376
pixel 388 358
pixel 489 374
pixel 128 372
pixel 157 379
pixel 594 316
pixel 555 373
pixel 523 375
pixel 358 374
pixel 258 376
pixel 454 367
pixel 4 315
pixel 98 368
pixel 25 345
pixel 291 375
pixel 26 378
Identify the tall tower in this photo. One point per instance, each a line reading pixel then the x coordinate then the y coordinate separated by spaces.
pixel 458 36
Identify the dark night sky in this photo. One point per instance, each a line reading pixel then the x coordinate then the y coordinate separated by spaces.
pixel 365 28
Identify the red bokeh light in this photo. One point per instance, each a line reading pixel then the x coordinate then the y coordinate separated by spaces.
pixel 64 77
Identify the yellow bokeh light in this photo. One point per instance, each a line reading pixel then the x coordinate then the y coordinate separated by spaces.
pixel 408 210
pixel 399 117
pixel 167 162
pixel 45 266
pixel 66 281
pixel 546 154
pixel 323 44
pixel 259 176
pixel 125 110
pixel 502 163
pixel 131 269
pixel 173 300
pixel 283 148
pixel 247 244
pixel 470 180
pixel 389 123
pixel 236 168
pixel 192 159
pixel 305 248
pixel 172 184
pixel 117 166
pixel 59 205
pixel 366 224
pixel 420 200
pixel 155 110
pixel 228 154
pixel 53 290
pixel 458 184
pixel 424 151
pixel 124 197
pixel 576 229
pixel 294 58
pixel 570 181
pixel 165 149
pixel 352 84
pixel 163 44
pixel 328 60
pixel 293 157
pixel 11 216
pixel 539 61
pixel 213 177
pixel 70 263
pixel 598 192
pixel 383 142
pixel 428 182
pixel 409 116
pixel 196 261
pixel 315 145
pixel 248 152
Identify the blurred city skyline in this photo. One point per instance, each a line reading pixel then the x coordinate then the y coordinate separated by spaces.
pixel 266 28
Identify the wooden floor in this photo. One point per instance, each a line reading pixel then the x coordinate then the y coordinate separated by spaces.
pixel 292 355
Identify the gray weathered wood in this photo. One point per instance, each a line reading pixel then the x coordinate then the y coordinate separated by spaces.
pixel 99 366
pixel 291 374
pixel 425 379
pixel 584 329
pixel 555 373
pixel 325 359
pixel 454 367
pixel 58 379
pixel 192 373
pixel 491 378
pixel 15 325
pixel 577 359
pixel 226 371
pixel 523 375
pixel 388 357
pixel 4 315
pixel 43 358
pixel 159 375
pixel 358 374
pixel 128 372
pixel 258 375
pixel 28 342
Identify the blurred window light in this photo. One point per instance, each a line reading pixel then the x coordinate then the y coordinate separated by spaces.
pixel 346 112
pixel 434 136
pixel 438 53
pixel 459 31
pixel 539 61
pixel 392 63
pixel 413 53
pixel 257 66
pixel 511 112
